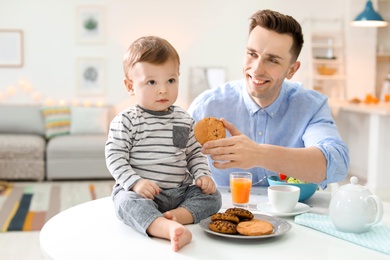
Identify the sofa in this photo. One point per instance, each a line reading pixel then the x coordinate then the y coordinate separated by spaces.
pixel 53 143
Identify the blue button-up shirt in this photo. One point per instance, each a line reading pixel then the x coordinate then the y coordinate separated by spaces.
pixel 297 118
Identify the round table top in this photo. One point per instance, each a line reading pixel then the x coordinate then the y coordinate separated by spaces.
pixel 92 231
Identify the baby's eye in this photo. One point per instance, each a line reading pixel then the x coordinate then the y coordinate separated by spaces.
pixel 151 82
pixel 171 81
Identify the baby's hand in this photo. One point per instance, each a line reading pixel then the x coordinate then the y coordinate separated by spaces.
pixel 146 188
pixel 207 184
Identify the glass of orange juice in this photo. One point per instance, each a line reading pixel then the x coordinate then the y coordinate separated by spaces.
pixel 240 186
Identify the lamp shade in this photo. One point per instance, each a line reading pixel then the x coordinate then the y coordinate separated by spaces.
pixel 369 17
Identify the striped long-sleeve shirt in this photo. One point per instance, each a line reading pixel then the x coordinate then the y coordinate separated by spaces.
pixel 158 146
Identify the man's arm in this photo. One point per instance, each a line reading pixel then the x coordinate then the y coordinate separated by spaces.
pixel 306 164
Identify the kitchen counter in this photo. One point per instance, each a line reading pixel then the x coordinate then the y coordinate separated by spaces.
pixel 379 109
pixel 365 128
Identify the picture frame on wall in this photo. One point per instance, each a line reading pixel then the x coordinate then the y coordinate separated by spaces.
pixel 90 24
pixel 11 48
pixel 91 76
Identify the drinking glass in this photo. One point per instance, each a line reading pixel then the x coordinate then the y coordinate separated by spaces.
pixel 240 186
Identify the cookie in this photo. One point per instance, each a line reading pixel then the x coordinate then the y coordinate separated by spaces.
pixel 225 216
pixel 255 227
pixel 209 128
pixel 223 226
pixel 241 213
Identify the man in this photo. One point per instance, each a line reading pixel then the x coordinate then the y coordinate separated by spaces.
pixel 275 125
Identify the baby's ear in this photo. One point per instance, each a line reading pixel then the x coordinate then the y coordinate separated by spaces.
pixel 129 85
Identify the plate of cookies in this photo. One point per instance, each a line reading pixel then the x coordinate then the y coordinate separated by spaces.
pixel 242 224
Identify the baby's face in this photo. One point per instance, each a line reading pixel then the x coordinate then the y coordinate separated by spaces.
pixel 154 86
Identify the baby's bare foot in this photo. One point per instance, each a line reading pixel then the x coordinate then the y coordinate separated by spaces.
pixel 170 216
pixel 180 236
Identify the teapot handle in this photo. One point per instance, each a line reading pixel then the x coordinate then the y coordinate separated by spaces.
pixel 379 209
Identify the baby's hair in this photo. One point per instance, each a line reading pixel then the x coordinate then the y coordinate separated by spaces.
pixel 151 49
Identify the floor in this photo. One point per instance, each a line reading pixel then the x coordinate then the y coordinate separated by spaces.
pixel 24 245
pixel 20 246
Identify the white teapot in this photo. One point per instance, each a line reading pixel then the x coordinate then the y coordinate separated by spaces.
pixel 353 208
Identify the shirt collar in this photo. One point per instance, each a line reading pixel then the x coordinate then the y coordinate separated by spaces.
pixel 253 107
pixel 158 113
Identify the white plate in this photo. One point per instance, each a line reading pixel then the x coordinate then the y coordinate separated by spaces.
pixel 267 208
pixel 280 227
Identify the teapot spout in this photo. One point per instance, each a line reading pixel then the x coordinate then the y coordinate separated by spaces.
pixel 334 187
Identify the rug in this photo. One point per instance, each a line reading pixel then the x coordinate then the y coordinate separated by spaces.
pixel 28 206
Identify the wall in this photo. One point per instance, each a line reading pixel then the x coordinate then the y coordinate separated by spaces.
pixel 205 33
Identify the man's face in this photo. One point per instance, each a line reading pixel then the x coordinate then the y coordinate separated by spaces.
pixel 267 63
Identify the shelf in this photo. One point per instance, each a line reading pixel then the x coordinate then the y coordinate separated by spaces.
pixel 330 77
pixel 327 40
pixel 327 61
pixel 326 46
pixel 383 54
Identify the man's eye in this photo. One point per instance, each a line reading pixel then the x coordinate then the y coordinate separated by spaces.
pixel 151 82
pixel 171 81
pixel 252 54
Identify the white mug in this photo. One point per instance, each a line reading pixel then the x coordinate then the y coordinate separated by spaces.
pixel 283 198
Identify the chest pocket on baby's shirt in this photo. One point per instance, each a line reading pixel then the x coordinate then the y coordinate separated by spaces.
pixel 180 136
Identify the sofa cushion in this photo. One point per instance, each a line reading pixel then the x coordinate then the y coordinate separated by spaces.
pixel 23 146
pixel 22 157
pixel 21 119
pixel 89 120
pixel 77 157
pixel 57 120
pixel 77 146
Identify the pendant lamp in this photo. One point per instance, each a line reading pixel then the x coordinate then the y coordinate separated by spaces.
pixel 369 17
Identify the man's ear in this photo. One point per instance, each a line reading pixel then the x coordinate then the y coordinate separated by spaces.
pixel 129 85
pixel 293 68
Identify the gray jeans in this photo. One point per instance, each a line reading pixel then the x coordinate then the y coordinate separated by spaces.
pixel 139 213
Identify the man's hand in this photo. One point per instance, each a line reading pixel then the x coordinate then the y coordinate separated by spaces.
pixel 206 184
pixel 146 189
pixel 238 151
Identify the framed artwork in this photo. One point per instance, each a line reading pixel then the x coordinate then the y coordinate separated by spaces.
pixel 91 76
pixel 90 24
pixel 11 48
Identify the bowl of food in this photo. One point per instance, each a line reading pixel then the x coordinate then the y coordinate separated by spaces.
pixel 326 71
pixel 307 189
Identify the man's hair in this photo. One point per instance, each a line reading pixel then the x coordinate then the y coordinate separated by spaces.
pixel 151 49
pixel 282 24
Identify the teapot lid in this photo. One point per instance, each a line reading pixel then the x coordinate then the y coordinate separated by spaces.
pixel 353 186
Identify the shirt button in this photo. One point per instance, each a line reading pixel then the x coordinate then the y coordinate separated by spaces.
pixel 260 133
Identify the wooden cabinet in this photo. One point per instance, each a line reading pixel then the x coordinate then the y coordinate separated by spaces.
pixel 327 57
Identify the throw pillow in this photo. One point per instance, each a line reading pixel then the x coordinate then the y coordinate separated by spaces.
pixel 57 120
pixel 89 120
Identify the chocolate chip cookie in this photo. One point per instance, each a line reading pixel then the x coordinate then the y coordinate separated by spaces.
pixel 209 128
pixel 241 213
pixel 225 216
pixel 223 226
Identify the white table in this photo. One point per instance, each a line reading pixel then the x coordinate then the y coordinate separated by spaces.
pixel 92 231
